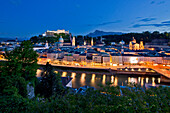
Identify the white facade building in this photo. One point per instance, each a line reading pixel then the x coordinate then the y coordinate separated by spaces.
pixel 51 33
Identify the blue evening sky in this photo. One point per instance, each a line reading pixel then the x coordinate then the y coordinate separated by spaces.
pixel 26 18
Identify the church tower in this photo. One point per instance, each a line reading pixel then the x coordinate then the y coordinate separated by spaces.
pixel 46 45
pixel 141 46
pixel 130 45
pixel 73 41
pixel 84 42
pixel 134 40
pixel 91 41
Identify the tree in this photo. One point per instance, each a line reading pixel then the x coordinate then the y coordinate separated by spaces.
pixel 50 84
pixel 20 69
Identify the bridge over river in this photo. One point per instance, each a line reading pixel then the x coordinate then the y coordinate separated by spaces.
pixel 125 69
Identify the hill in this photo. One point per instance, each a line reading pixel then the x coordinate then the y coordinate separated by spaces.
pixel 98 33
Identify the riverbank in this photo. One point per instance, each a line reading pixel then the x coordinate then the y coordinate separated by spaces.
pixel 117 70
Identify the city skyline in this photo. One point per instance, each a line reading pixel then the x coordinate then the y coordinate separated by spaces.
pixel 23 19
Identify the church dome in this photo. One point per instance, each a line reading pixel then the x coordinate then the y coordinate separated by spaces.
pixel 61 39
pixel 122 42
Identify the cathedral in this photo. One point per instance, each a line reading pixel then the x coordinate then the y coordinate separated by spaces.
pixel 135 46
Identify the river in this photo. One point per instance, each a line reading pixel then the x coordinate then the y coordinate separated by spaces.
pixel 95 78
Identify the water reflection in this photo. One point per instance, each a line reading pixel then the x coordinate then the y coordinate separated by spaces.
pixel 159 80
pixel 93 78
pixel 104 79
pixel 64 74
pixel 122 83
pixel 56 72
pixel 73 75
pixel 142 81
pixel 153 81
pixel 112 79
pixel 147 79
pixel 82 79
pixel 116 81
pixel 132 80
pixel 139 79
pixel 38 74
pixel 129 80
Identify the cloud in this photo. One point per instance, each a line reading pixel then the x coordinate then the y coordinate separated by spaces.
pixel 165 22
pixel 147 19
pixel 105 23
pixel 152 2
pixel 138 17
pixel 155 25
pixel 156 2
pixel 3 33
pixel 161 2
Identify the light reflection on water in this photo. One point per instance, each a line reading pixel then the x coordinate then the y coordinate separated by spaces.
pixel 142 81
pixel 81 79
pixel 38 74
pixel 153 81
pixel 83 75
pixel 104 79
pixel 93 79
pixel 64 74
pixel 112 79
pixel 73 75
pixel 147 79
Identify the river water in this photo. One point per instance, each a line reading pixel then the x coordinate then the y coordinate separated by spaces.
pixel 94 79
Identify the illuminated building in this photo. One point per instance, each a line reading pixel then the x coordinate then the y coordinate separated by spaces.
pixel 135 46
pixel 73 41
pixel 91 41
pixel 49 33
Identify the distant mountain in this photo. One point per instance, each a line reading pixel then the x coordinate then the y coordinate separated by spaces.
pixel 102 33
pixel 9 38
pixel 5 39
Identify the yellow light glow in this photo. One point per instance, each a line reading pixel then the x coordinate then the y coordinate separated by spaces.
pixel 38 74
pixel 73 75
pixel 155 64
pixel 112 79
pixel 55 71
pixel 83 75
pixel 153 81
pixel 139 79
pixel 114 64
pixel 93 78
pixel 82 79
pixel 64 74
pixel 159 80
pixel 104 79
pixel 116 81
pixel 147 79
pixel 133 60
pixel 142 81
pixel 129 80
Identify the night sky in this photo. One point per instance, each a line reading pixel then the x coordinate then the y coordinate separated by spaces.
pixel 26 18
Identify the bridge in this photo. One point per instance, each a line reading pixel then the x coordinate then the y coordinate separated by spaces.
pixel 163 70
